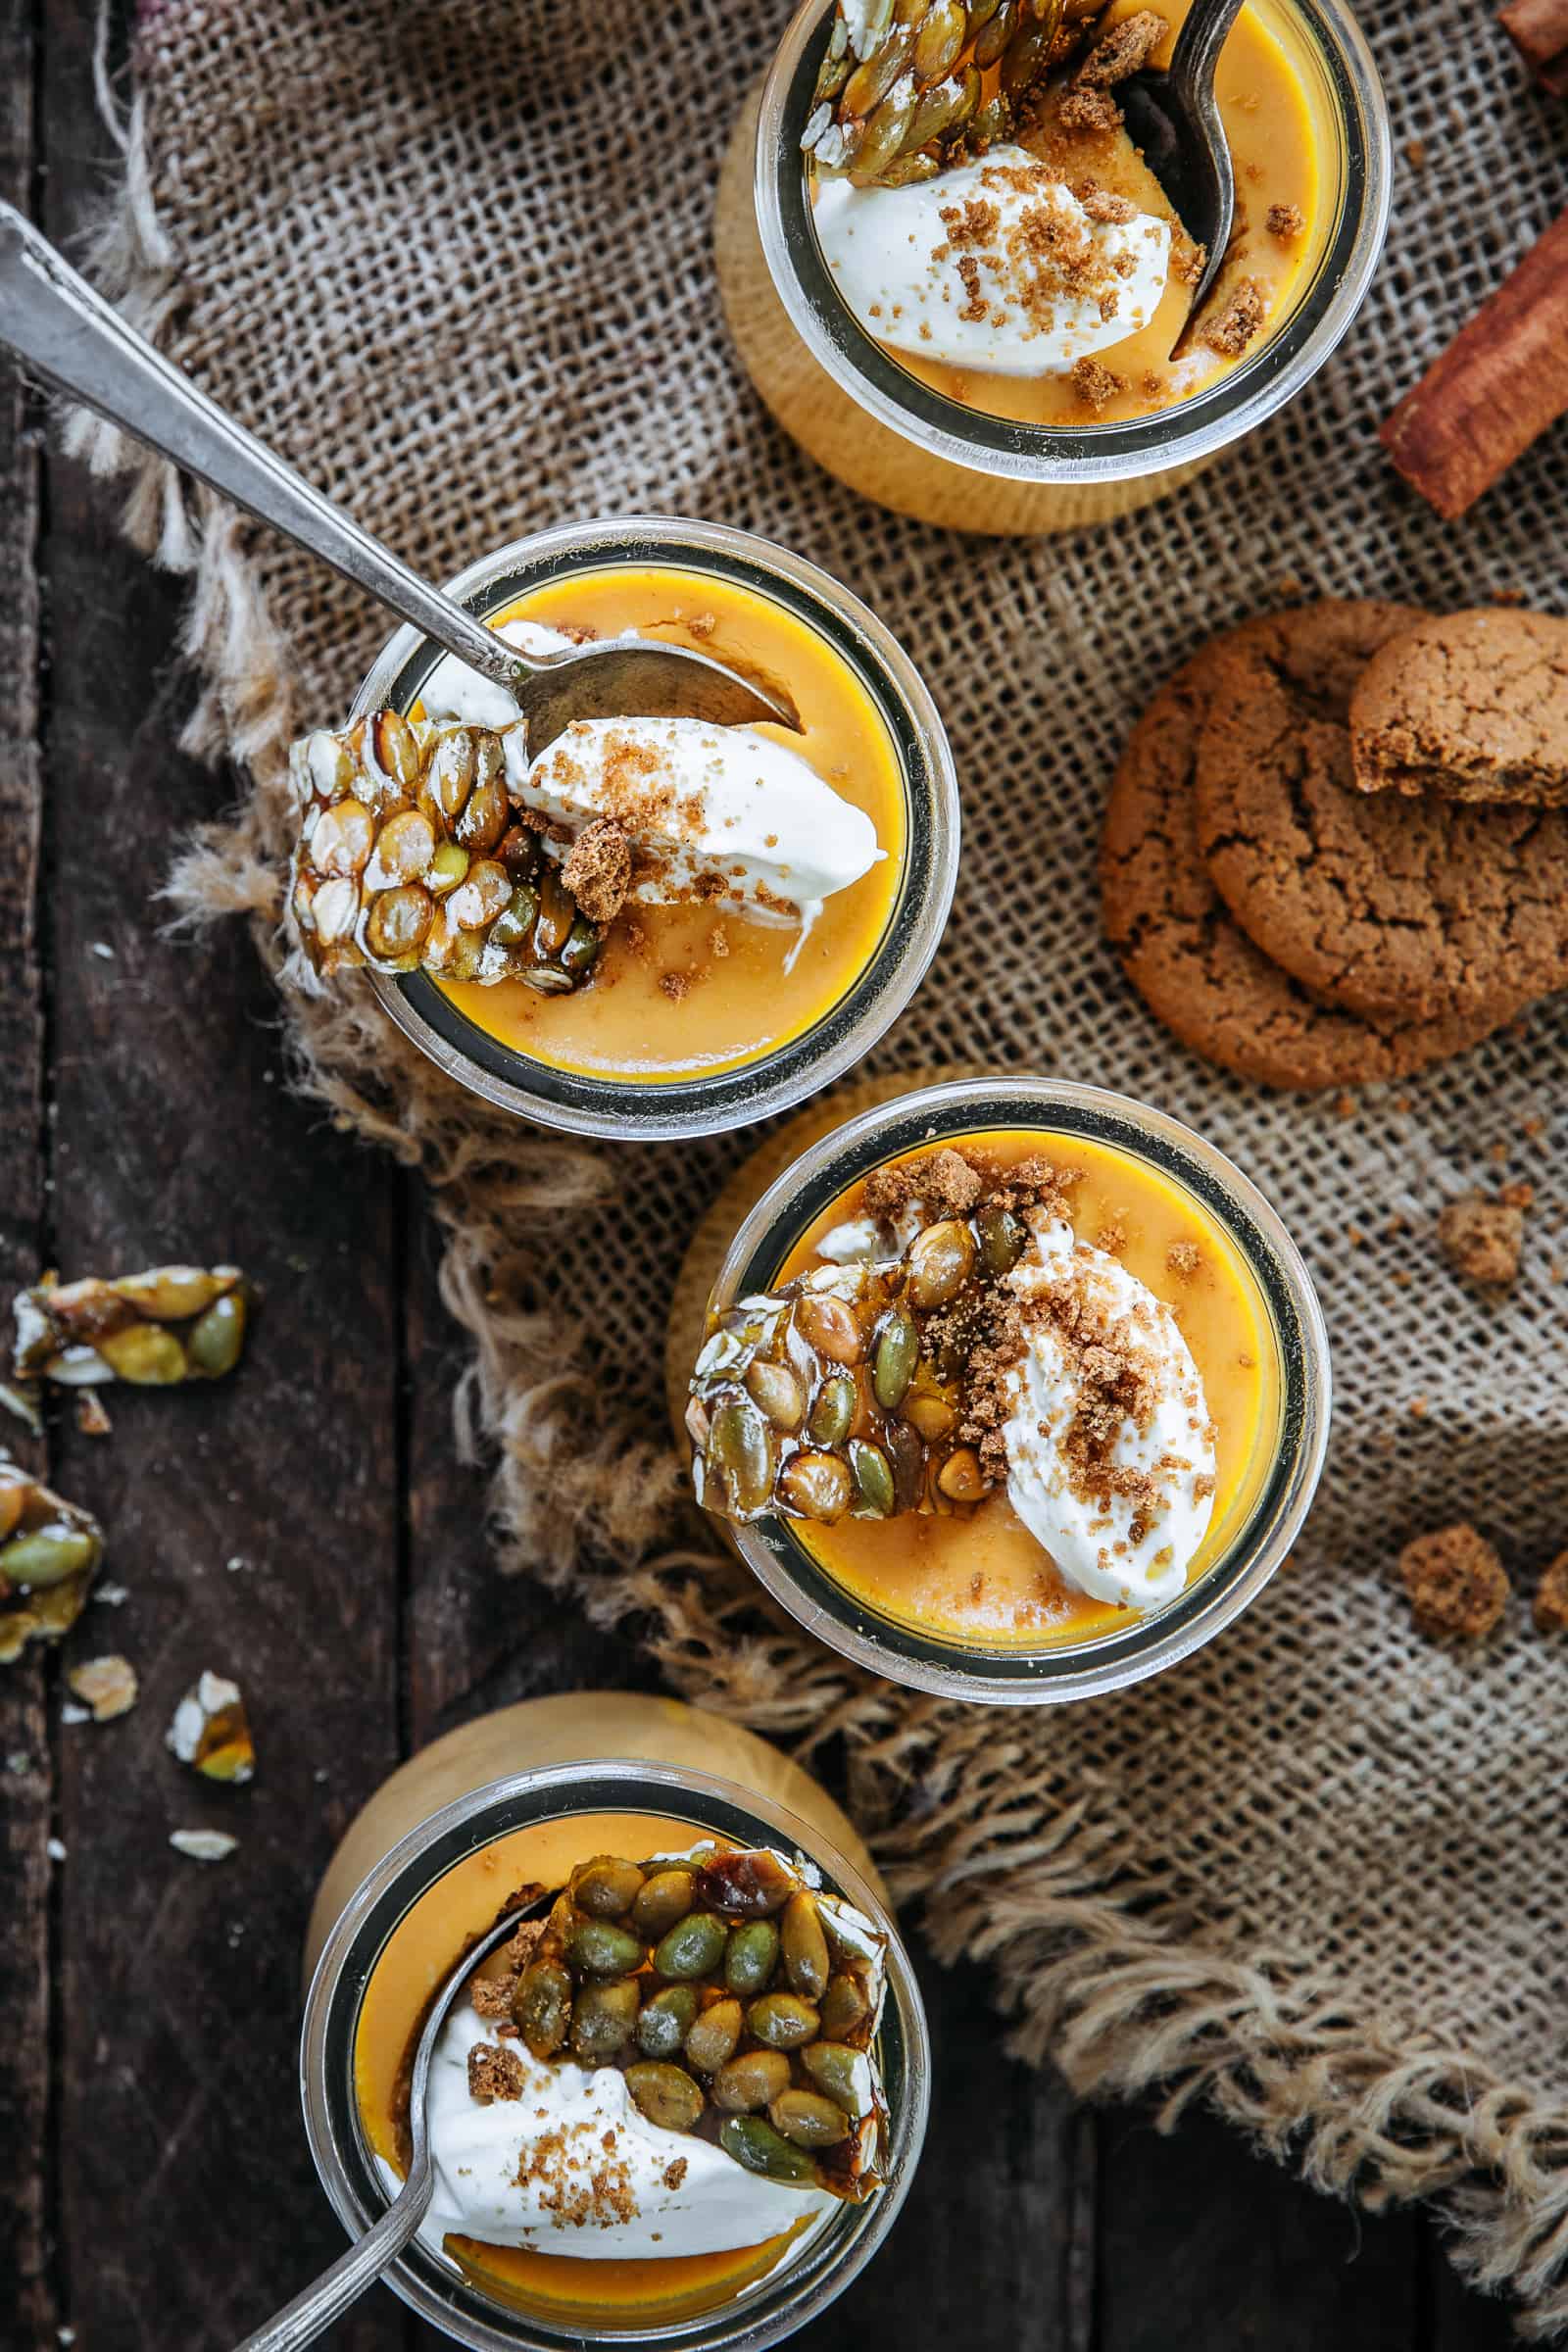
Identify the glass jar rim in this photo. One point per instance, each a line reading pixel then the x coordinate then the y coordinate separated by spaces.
pixel 670 1109
pixel 1054 1673
pixel 773 2307
pixel 1198 427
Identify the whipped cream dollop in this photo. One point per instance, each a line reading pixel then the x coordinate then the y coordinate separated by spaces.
pixel 572 2166
pixel 716 814
pixel 1109 1443
pixel 1123 1516
pixel 993 264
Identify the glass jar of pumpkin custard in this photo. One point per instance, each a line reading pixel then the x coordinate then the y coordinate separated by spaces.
pixel 955 280
pixel 684 2103
pixel 1012 1390
pixel 780 894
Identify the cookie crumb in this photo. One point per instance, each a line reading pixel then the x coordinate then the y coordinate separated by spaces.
pixel 1549 1609
pixel 1094 384
pixel 494 2074
pixel 1184 1259
pixel 1100 204
pixel 1089 113
pixel 702 624
pixel 598 870
pixel 675 985
pixel 1238 322
pixel 1482 1240
pixel 719 943
pixel 1455 1581
pixel 491 1996
pixel 1285 221
pixel 1125 50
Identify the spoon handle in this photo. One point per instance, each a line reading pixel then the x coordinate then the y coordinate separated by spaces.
pixel 327 2297
pixel 55 321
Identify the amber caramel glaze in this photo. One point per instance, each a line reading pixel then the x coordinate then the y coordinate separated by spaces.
pixel 1269 123
pixel 417 1956
pixel 983 1576
pixel 632 1021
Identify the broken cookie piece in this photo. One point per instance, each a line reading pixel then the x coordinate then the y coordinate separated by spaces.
pixel 1456 1584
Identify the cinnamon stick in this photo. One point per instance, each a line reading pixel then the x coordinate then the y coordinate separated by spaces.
pixel 1503 380
pixel 1538 31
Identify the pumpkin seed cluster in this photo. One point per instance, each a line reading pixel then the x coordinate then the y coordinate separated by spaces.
pixel 410 856
pixel 734 1998
pixel 907 87
pixel 153 1330
pixel 49 1556
pixel 843 1393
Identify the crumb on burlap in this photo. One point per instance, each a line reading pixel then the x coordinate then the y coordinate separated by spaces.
pixel 1184 1259
pixel 1125 50
pixel 1481 1239
pixel 675 985
pixel 1095 384
pixel 598 870
pixel 1549 1609
pixel 1238 322
pixel 491 1996
pixel 1415 153
pixel 1455 1581
pixel 1285 221
pixel 494 2074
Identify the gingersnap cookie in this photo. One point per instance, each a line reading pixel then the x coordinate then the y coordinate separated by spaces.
pixel 1473 707
pixel 1394 909
pixel 1195 968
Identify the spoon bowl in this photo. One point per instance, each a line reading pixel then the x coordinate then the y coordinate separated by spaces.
pixel 1174 118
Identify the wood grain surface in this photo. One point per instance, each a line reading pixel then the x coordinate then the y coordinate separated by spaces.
pixel 307 1527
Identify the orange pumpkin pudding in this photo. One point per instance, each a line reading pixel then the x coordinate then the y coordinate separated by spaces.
pixel 989 219
pixel 656 2093
pixel 1012 1390
pixel 643 899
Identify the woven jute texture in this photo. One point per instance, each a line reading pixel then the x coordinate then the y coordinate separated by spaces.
pixel 452 258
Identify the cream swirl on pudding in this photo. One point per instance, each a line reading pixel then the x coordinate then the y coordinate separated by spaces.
pixel 716 814
pixel 993 264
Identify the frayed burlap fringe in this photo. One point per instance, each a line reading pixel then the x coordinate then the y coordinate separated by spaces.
pixel 1016 1835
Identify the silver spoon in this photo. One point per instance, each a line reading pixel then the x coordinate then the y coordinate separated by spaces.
pixel 55 321
pixel 302 2321
pixel 1173 115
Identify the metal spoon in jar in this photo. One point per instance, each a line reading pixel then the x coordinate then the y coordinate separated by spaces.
pixel 302 2321
pixel 1173 115
pixel 71 336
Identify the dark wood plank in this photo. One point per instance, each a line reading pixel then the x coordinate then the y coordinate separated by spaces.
pixel 475 1638
pixel 255 1522
pixel 1202 2245
pixel 25 1773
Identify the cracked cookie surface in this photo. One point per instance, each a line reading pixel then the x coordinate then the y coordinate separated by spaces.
pixel 1472 707
pixel 1193 967
pixel 1390 907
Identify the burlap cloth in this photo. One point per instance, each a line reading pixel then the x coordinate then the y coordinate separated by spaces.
pixel 452 256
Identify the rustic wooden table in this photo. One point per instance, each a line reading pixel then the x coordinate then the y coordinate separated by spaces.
pixel 307 1528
